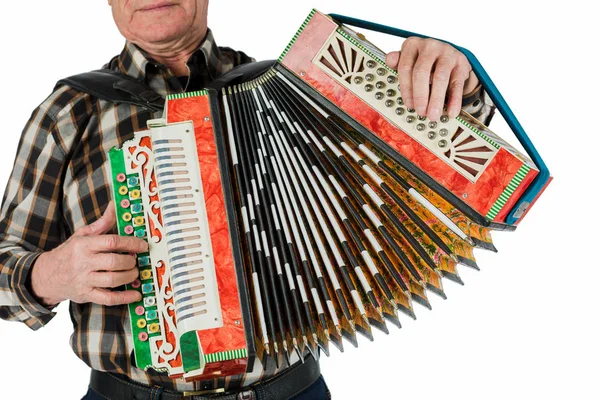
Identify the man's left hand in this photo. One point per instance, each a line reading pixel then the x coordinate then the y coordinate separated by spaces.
pixel 428 71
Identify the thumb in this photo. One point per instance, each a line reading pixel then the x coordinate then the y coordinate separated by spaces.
pixel 392 59
pixel 102 225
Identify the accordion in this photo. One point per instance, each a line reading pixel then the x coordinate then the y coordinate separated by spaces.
pixel 299 203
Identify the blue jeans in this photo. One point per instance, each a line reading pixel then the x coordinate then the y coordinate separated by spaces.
pixel 316 391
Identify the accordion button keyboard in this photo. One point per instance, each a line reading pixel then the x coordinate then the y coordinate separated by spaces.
pixel 149 301
pixel 133 181
pixel 135 194
pixel 145 274
pixel 143 261
pixel 151 315
pixel 147 288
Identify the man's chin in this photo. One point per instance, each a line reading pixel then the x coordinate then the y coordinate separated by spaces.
pixel 160 26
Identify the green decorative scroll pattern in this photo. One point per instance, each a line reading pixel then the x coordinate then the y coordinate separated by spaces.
pixel 190 351
pixel 226 355
pixel 178 96
pixel 478 132
pixel 508 191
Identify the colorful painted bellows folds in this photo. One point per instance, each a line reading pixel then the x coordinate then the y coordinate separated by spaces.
pixel 302 204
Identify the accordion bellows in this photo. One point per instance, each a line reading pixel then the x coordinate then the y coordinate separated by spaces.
pixel 301 205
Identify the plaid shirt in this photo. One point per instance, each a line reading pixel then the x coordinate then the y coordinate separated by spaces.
pixel 60 183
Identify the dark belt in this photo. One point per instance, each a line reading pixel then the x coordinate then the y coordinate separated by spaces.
pixel 282 386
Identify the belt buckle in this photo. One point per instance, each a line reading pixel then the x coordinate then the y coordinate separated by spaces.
pixel 192 395
pixel 245 395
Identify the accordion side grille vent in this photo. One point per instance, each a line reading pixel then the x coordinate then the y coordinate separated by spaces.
pixel 468 153
pixel 342 60
pixel 451 140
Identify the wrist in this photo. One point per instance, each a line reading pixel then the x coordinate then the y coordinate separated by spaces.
pixel 41 281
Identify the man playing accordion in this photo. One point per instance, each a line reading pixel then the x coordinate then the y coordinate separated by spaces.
pixel 57 227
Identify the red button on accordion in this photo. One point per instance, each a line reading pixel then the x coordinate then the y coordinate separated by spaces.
pixel 300 205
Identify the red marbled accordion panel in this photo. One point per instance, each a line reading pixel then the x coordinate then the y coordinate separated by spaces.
pixel 231 336
pixel 480 195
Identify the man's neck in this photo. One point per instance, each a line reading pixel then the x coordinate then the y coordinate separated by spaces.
pixel 175 55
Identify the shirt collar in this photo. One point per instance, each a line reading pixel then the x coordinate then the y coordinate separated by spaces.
pixel 211 53
pixel 135 62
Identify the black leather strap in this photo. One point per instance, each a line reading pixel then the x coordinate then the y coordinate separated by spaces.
pixel 280 387
pixel 115 87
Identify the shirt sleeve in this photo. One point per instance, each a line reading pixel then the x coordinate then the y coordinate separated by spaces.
pixel 479 105
pixel 30 221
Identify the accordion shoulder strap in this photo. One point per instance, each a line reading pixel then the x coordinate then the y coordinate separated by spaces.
pixel 115 87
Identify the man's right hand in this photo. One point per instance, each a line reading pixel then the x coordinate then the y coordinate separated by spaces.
pixel 88 265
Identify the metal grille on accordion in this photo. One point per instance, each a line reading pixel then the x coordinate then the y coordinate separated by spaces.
pixel 301 206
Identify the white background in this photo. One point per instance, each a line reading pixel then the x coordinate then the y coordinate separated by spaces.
pixel 525 327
